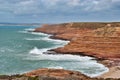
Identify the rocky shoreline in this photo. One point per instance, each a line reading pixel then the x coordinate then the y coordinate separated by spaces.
pixel 52 74
pixel 99 40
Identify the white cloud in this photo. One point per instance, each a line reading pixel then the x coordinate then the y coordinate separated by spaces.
pixel 26 7
pixel 45 6
pixel 96 5
pixel 50 2
pixel 74 3
pixel 115 0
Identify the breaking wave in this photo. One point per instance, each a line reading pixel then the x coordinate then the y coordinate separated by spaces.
pixel 29 29
pixel 84 64
pixel 55 41
pixel 56 67
pixel 43 34
pixel 56 57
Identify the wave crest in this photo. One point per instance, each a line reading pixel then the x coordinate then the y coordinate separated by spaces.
pixel 55 57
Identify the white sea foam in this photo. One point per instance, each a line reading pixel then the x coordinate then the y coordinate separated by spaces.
pixel 54 41
pixel 45 37
pixel 2 50
pixel 82 61
pixel 56 67
pixel 96 69
pixel 105 69
pixel 33 39
pixel 41 56
pixel 35 51
pixel 23 31
pixel 29 29
pixel 5 49
pixel 39 33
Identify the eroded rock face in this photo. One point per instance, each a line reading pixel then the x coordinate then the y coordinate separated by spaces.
pixel 61 74
pixel 101 40
pixel 53 74
pixel 56 73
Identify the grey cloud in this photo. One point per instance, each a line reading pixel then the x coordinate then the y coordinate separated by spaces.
pixel 18 7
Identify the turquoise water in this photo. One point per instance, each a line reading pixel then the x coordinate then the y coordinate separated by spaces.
pixel 22 51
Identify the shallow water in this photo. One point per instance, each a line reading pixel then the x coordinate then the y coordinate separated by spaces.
pixel 22 51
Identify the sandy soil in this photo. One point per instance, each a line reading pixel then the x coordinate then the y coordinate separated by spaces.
pixel 114 72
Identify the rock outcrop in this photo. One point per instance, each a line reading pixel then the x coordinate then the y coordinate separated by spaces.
pixel 51 74
pixel 60 74
pixel 100 40
pixel 57 74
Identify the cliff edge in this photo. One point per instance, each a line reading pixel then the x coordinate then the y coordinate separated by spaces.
pixel 99 40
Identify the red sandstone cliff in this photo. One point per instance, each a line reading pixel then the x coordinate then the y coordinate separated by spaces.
pixel 60 74
pixel 57 74
pixel 101 40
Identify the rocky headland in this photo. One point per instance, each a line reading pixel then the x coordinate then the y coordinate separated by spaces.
pixel 99 40
pixel 51 74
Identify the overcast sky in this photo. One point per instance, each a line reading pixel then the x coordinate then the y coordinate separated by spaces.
pixel 45 11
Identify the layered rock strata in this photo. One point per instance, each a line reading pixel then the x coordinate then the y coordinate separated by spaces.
pixel 99 40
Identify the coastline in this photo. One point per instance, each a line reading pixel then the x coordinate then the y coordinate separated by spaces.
pixel 64 34
pixel 72 35
pixel 52 52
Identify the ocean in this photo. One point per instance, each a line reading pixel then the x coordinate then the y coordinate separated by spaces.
pixel 22 51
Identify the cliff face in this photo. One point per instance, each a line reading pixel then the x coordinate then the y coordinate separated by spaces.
pixel 51 74
pixel 101 40
pixel 57 74
pixel 60 74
